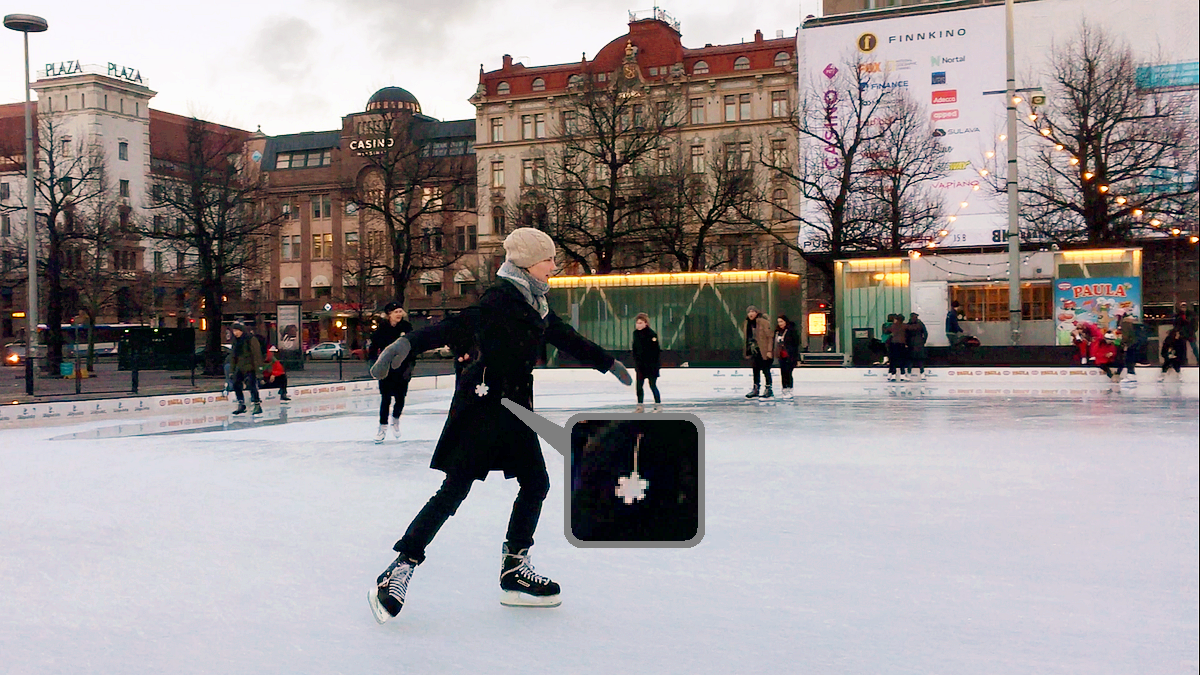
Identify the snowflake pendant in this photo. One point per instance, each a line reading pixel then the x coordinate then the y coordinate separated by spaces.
pixel 481 390
pixel 632 487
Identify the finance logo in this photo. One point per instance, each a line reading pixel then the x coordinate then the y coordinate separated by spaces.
pixel 951 114
pixel 939 77
pixel 867 42
pixel 945 96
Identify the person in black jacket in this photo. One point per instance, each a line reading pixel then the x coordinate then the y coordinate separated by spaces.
pixel 394 387
pixel 787 348
pixel 646 360
pixel 507 326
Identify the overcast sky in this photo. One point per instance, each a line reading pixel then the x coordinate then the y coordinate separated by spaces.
pixel 299 65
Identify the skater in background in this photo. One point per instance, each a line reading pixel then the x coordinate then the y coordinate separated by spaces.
pixel 954 332
pixel 508 325
pixel 787 348
pixel 274 376
pixel 1185 322
pixel 393 388
pixel 646 360
pixel 897 343
pixel 759 341
pixel 917 336
pixel 1173 353
pixel 1107 354
pixel 247 362
pixel 1134 341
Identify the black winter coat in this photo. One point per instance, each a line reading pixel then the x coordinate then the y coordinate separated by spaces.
pixel 646 352
pixel 480 434
pixel 385 335
pixel 787 340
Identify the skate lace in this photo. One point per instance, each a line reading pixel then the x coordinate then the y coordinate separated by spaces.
pixel 397 580
pixel 525 569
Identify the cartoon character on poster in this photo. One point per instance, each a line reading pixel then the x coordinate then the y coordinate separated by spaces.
pixel 1102 302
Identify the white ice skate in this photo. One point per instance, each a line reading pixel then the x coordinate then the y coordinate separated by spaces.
pixel 640 408
pixel 396 428
pixel 381 434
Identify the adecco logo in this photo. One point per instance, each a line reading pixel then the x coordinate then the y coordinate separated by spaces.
pixel 951 114
pixel 945 96
pixel 1064 285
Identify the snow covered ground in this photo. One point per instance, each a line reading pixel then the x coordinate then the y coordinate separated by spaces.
pixel 858 529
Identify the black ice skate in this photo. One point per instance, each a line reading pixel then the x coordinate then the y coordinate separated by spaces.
pixel 256 408
pixel 768 393
pixel 753 392
pixel 387 598
pixel 240 409
pixel 520 586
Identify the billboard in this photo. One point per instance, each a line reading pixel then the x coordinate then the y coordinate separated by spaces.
pixel 944 61
pixel 1101 300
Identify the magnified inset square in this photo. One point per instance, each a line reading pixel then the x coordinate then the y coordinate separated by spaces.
pixel 636 481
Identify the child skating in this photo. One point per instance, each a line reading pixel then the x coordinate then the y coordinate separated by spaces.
pixel 507 326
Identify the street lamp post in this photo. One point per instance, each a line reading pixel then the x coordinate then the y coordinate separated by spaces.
pixel 26 24
pixel 1014 227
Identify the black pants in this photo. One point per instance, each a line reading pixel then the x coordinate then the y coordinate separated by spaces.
pixel 641 393
pixel 763 366
pixel 250 378
pixel 280 382
pixel 392 388
pixel 786 366
pixel 897 357
pixel 527 508
pixel 1172 363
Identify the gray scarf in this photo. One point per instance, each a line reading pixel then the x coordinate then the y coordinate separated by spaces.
pixel 534 291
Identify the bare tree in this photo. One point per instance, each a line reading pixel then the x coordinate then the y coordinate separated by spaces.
pixel 88 264
pixel 66 179
pixel 593 193
pixel 904 160
pixel 1116 152
pixel 363 273
pixel 412 191
pixel 211 197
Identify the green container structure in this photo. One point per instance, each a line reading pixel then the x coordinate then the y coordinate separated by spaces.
pixel 700 317
pixel 865 292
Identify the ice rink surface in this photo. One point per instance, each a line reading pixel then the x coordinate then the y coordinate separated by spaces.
pixel 856 529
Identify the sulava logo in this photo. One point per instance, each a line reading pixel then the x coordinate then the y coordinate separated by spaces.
pixel 938 133
pixel 939 78
pixel 967 130
pixel 951 114
pixel 945 96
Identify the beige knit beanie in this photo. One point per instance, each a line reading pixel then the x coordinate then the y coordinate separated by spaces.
pixel 527 246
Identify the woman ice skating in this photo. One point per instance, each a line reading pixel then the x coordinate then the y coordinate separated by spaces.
pixel 759 340
pixel 393 388
pixel 918 335
pixel 787 348
pixel 1173 353
pixel 508 325
pixel 646 359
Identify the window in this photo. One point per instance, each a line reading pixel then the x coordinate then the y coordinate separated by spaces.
pixel 123 214
pixel 502 89
pixel 285 247
pixel 432 289
pixel 497 220
pixel 737 155
pixel 498 174
pixel 351 245
pixel 180 261
pixel 730 108
pixel 431 199
pixel 539 84
pixel 304 159
pixel 575 80
pixel 158 261
pixel 779 104
pixel 782 59
pixel 296 252
pixel 697 108
pixel 160 222
pixel 291 294
pixel 779 204
pixel 467 287
pixel 123 151
pixel 568 121
pixel 179 228
pixel 539 125
pixel 497 129
pixel 294 211
pixel 740 256
pixel 742 63
pixel 468 239
pixel 65 147
pixel 526 126
pixel 158 193
pixel 602 77
pixel 124 188
pixel 4 191
pixel 662 161
pixel 779 154
pixel 322 206
pixel 779 257
pixel 5 226
pixel 527 174
pixel 701 68
pixel 990 302
pixel 432 240
pixel 744 106
pixel 697 163
pixel 321 292
pixel 125 260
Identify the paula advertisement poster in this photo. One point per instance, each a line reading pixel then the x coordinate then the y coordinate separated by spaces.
pixel 1102 301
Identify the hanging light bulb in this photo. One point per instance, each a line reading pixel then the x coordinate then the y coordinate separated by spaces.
pixel 1045 132
pixel 1003 137
pixel 1032 116
pixel 914 254
pixel 990 154
pixel 1155 222
pixel 1121 200
pixel 943 233
pixel 1058 146
pixel 952 218
pixel 1017 99
pixel 975 187
pixel 1104 188
pixel 1137 213
pixel 1087 175
pixel 965 205
pixel 1074 161
pixel 1175 231
pixel 983 172
pixel 1193 239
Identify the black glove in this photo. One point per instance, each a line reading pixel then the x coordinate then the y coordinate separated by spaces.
pixel 391 357
pixel 620 372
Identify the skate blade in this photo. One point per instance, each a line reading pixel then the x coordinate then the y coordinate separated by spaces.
pixel 381 614
pixel 518 599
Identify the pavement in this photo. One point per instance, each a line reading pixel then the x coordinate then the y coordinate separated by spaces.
pixel 109 382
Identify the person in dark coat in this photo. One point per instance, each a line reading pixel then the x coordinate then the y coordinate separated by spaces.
pixel 246 364
pixel 1173 353
pixel 918 335
pixel 954 332
pixel 760 339
pixel 508 326
pixel 646 360
pixel 393 388
pixel 787 348
pixel 897 344
pixel 1185 322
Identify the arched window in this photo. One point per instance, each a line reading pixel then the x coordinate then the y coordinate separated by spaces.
pixel 782 59
pixel 701 68
pixel 742 63
pixel 539 84
pixel 575 80
pixel 502 89
pixel 498 220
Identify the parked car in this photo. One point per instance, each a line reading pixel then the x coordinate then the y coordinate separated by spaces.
pixel 14 353
pixel 359 354
pixel 325 351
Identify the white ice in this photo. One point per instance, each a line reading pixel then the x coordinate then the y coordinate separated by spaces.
pixel 889 530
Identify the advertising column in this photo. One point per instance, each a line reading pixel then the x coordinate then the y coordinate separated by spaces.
pixel 289 343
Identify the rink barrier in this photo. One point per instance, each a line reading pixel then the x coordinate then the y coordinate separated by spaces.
pixel 718 379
